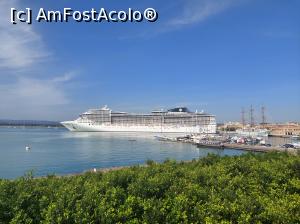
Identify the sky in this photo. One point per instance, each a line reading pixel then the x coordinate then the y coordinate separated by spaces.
pixel 211 55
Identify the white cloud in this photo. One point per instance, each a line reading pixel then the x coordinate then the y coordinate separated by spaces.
pixel 24 94
pixel 64 78
pixel 189 12
pixel 33 98
pixel 20 45
pixel 32 92
pixel 196 11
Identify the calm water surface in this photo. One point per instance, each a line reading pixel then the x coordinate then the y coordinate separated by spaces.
pixel 58 151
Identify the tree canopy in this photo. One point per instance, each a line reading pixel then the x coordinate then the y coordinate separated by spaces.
pixel 251 188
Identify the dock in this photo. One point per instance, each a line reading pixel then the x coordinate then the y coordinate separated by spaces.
pixel 221 142
pixel 250 148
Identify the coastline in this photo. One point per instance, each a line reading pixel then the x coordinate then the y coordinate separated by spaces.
pixel 293 152
pixel 257 148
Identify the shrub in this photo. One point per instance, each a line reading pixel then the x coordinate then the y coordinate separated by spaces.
pixel 251 188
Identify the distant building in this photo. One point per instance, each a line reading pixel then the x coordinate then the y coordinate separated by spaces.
pixel 279 130
pixel 284 130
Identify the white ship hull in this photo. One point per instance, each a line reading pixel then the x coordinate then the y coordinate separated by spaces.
pixel 85 127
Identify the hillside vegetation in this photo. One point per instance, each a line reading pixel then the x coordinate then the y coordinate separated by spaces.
pixel 252 188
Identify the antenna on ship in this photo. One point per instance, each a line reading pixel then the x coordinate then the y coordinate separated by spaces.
pixel 251 116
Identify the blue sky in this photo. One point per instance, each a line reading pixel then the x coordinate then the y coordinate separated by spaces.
pixel 215 55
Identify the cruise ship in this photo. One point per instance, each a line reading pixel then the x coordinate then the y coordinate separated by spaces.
pixel 175 120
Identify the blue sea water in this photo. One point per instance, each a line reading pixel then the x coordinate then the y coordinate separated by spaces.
pixel 58 151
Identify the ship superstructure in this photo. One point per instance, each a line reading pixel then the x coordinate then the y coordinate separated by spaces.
pixel 175 120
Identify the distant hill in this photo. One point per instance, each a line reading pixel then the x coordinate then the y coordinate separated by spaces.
pixel 30 123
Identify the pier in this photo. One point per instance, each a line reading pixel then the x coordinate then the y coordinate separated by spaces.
pixel 225 144
pixel 250 148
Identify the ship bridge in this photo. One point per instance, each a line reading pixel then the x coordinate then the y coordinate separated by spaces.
pixel 179 110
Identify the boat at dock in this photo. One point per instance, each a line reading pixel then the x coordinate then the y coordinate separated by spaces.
pixel 211 144
pixel 165 139
pixel 253 132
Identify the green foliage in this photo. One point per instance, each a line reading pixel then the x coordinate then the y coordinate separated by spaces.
pixel 252 188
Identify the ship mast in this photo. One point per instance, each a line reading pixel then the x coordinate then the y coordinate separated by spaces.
pixel 263 118
pixel 161 122
pixel 251 116
pixel 243 117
